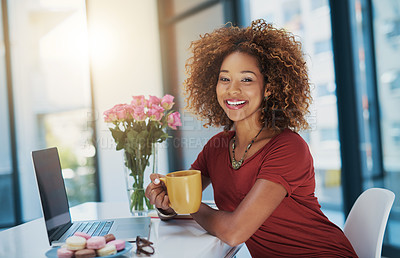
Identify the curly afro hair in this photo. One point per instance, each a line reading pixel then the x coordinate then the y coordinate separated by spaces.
pixel 280 60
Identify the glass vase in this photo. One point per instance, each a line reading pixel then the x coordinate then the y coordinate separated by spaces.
pixel 140 163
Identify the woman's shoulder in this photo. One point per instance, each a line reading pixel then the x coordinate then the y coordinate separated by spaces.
pixel 288 147
pixel 289 139
pixel 220 140
pixel 223 135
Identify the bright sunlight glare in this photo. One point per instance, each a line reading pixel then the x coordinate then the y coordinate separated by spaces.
pixel 101 42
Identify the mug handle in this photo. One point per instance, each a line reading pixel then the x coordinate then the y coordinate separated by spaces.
pixel 163 179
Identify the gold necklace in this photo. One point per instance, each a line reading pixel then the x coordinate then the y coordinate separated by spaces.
pixel 237 164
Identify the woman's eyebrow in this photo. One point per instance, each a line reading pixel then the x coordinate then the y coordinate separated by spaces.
pixel 226 71
pixel 248 72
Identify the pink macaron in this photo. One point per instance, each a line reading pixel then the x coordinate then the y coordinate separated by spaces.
pixel 96 242
pixel 82 234
pixel 119 244
pixel 64 253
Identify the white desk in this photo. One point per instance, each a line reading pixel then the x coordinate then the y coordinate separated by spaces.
pixel 176 238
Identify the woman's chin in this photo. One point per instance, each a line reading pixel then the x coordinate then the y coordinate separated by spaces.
pixel 235 117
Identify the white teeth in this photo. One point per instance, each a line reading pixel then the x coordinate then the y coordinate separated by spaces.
pixel 235 103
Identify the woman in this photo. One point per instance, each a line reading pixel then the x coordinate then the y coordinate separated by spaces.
pixel 254 80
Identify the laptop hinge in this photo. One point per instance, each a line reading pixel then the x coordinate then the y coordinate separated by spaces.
pixel 59 231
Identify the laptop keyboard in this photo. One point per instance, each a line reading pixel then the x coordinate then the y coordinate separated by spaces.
pixel 94 228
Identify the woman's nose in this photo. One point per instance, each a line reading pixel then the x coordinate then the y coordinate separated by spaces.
pixel 234 87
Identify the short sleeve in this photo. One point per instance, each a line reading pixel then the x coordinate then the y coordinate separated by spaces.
pixel 288 162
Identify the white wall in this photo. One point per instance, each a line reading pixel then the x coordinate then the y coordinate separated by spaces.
pixel 126 61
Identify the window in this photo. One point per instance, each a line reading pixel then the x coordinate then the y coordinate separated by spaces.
pixel 181 6
pixel 322 46
pixel 51 95
pixel 8 213
pixel 395 133
pixel 291 11
pixel 315 4
pixel 325 89
pixel 386 27
pixel 392 78
pixel 329 135
pixel 376 42
pixel 69 130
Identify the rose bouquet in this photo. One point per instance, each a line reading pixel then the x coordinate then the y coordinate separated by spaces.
pixel 137 128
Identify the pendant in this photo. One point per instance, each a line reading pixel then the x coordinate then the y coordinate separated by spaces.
pixel 236 164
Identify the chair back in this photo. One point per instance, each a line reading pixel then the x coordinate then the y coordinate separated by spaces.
pixel 366 223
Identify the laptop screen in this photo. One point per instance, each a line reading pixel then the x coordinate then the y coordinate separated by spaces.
pixel 51 188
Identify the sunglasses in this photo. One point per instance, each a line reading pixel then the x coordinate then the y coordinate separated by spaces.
pixel 144 246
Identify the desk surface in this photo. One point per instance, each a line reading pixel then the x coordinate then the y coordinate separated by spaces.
pixel 175 238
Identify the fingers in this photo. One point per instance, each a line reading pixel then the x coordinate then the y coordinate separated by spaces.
pixel 165 203
pixel 162 201
pixel 150 188
pixel 155 178
pixel 155 183
pixel 156 192
pixel 153 190
pixel 158 197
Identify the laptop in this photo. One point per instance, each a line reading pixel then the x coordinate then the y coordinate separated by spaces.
pixel 56 212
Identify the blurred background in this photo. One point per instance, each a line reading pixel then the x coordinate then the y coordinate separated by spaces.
pixel 64 62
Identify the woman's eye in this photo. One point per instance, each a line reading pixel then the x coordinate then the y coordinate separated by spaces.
pixel 223 79
pixel 247 80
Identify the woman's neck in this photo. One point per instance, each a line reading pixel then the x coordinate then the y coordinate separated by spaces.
pixel 245 132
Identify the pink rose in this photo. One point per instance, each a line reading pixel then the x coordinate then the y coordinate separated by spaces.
pixel 121 112
pixel 109 116
pixel 116 113
pixel 139 101
pixel 155 113
pixel 167 102
pixel 174 120
pixel 153 100
pixel 139 113
pixel 129 111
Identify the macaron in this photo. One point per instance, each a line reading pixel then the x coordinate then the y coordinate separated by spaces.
pixel 107 250
pixel 82 234
pixel 64 253
pixel 119 244
pixel 109 237
pixel 96 242
pixel 75 243
pixel 85 253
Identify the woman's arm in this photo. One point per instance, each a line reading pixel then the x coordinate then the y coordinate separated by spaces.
pixel 236 227
pixel 205 181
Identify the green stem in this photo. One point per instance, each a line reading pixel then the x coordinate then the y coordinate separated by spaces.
pixel 138 165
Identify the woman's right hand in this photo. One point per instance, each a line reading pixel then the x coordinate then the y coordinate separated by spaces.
pixel 156 192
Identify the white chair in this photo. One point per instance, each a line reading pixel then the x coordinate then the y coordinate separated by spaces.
pixel 366 223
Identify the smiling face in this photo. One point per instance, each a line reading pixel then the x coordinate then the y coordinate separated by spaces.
pixel 240 88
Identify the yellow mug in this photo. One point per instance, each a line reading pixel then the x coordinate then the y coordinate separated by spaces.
pixel 184 190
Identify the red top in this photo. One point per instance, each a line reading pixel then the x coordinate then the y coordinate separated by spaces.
pixel 297 228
